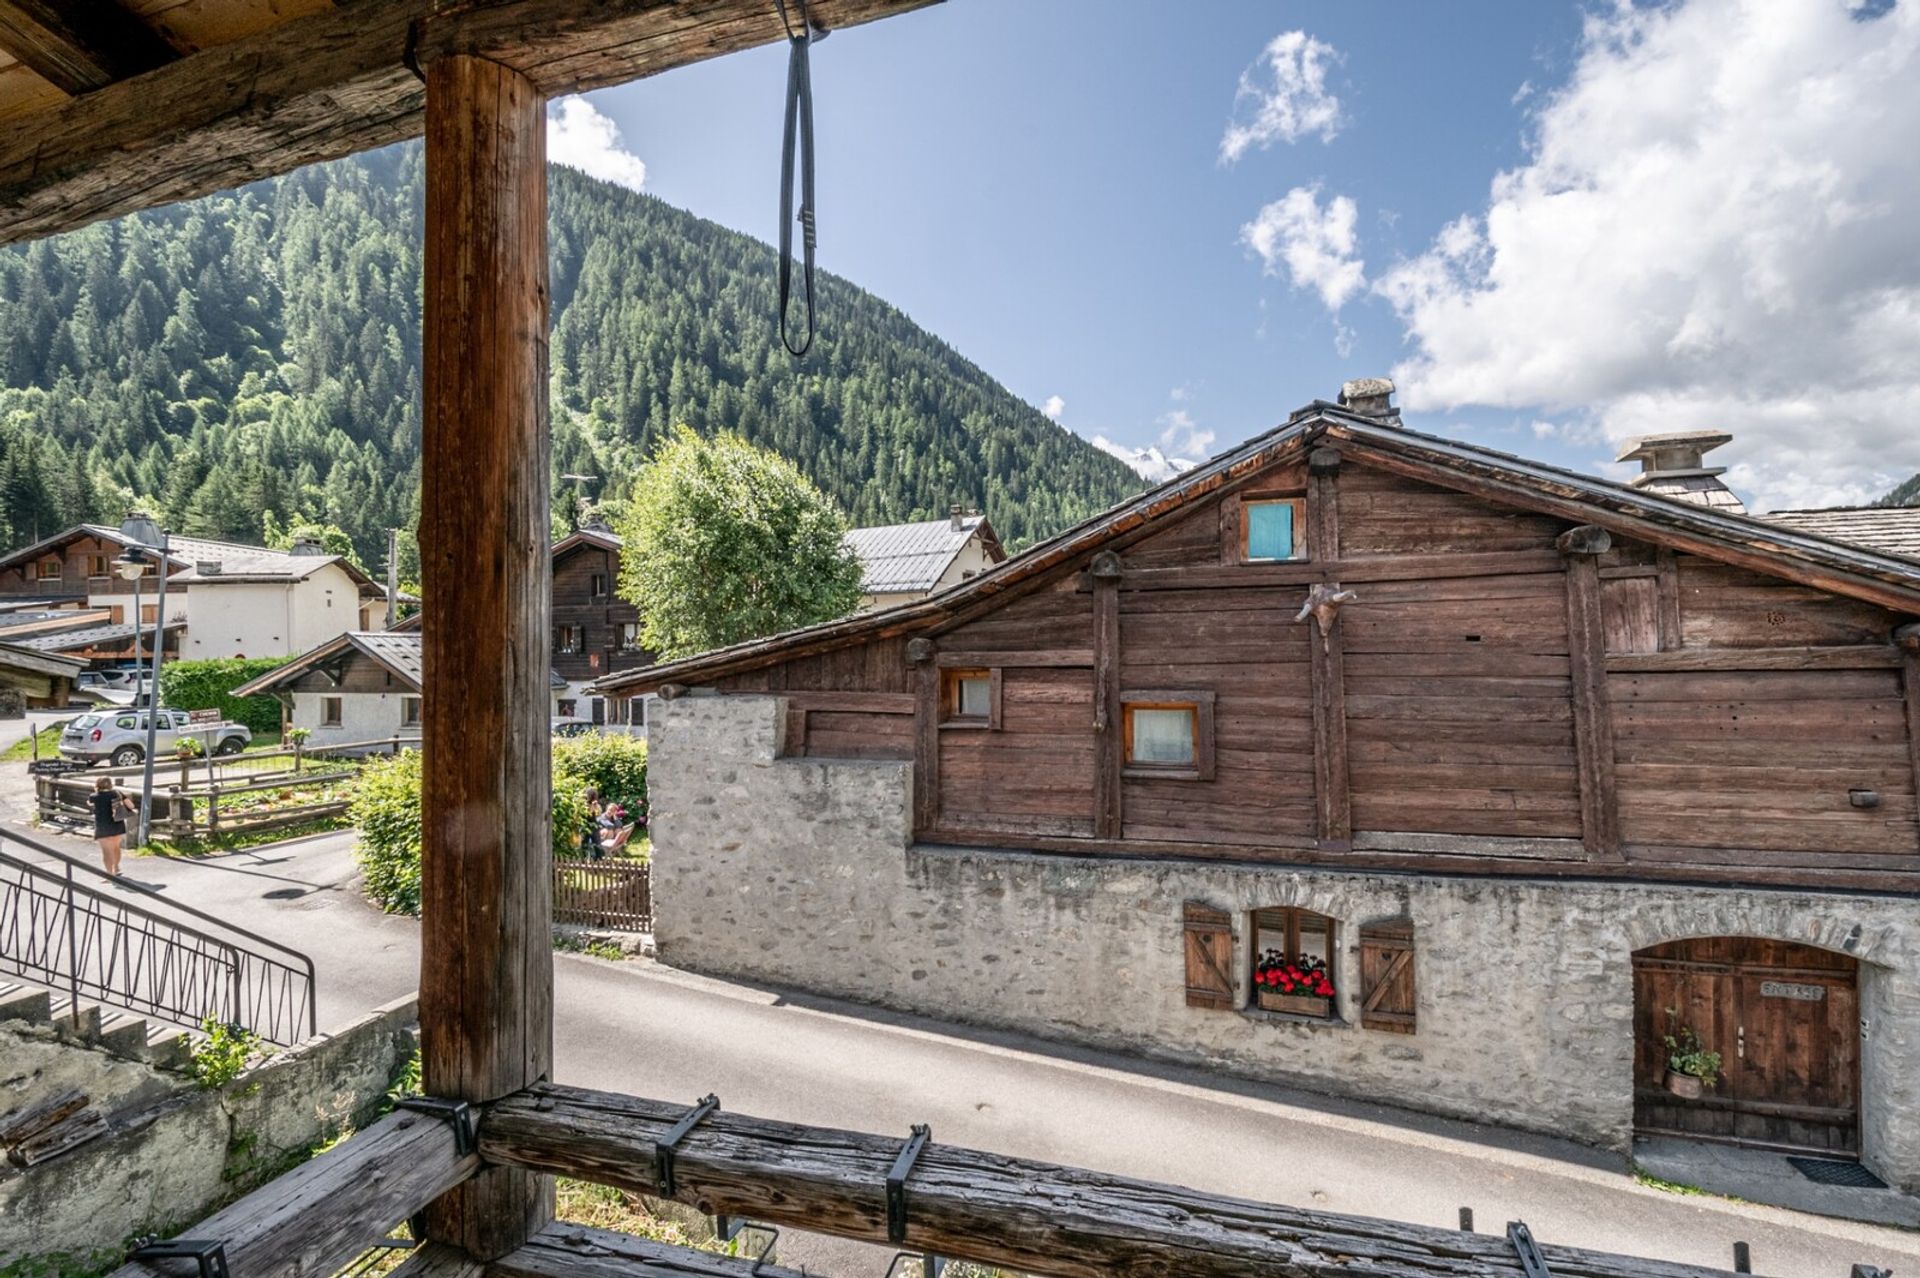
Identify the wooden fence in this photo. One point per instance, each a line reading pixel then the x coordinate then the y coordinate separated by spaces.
pixel 615 893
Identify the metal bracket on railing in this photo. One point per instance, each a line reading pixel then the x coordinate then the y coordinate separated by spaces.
pixel 726 1229
pixel 665 1148
pixel 1870 1271
pixel 1532 1263
pixel 208 1253
pixel 897 1182
pixel 931 1266
pixel 456 1113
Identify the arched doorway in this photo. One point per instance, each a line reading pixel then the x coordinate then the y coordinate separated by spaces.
pixel 1785 1020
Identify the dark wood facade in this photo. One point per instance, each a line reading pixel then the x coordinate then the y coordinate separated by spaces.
pixel 595 631
pixel 1512 677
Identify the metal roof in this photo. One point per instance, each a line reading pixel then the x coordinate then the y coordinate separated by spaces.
pixel 25 657
pixel 899 558
pixel 91 636
pixel 396 651
pixel 238 562
pixel 1891 530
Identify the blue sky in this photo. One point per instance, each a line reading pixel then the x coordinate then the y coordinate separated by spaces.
pixel 1047 185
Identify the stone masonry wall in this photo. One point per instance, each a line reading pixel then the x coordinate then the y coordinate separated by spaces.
pixel 800 872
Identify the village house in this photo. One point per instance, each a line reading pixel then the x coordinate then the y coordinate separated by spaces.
pixel 904 562
pixel 356 688
pixel 595 631
pixel 1363 759
pixel 226 599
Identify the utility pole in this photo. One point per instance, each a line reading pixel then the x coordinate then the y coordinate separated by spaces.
pixel 393 572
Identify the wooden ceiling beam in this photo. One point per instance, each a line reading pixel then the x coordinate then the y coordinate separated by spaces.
pixel 80 45
pixel 341 81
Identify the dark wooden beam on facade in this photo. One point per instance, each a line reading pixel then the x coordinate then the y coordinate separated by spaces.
pixel 1667 589
pixel 1333 801
pixel 486 976
pixel 323 1213
pixel 926 734
pixel 80 45
pixel 1907 640
pixel 1108 797
pixel 988 1208
pixel 1592 712
pixel 341 81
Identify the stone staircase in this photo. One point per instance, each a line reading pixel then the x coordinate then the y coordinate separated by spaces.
pixel 112 1030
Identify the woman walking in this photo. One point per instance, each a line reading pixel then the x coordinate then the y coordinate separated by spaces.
pixel 111 808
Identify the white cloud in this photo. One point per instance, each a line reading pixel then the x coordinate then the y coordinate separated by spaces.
pixel 1283 97
pixel 1149 462
pixel 1313 247
pixel 1054 407
pixel 580 137
pixel 1183 435
pixel 1718 225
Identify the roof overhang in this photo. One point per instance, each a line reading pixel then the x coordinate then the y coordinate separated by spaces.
pixel 340 647
pixel 46 663
pixel 1740 540
pixel 328 84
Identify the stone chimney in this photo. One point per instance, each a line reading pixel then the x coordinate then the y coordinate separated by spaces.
pixel 957 516
pixel 1674 465
pixel 595 522
pixel 1369 397
pixel 208 567
pixel 306 546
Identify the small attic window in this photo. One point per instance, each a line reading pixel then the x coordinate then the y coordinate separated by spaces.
pixel 1273 529
pixel 970 699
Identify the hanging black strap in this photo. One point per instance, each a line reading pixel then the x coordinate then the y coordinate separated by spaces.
pixel 800 132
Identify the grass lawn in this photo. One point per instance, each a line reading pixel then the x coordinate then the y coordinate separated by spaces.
pixel 21 751
pixel 238 842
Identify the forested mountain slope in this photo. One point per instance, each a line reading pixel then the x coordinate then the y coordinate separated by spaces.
pixel 259 352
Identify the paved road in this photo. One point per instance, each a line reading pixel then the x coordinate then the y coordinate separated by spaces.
pixel 638 1027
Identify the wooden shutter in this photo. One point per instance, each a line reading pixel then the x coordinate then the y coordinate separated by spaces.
pixel 1386 976
pixel 1209 950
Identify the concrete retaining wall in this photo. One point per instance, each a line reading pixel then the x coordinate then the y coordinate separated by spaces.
pixel 800 872
pixel 170 1161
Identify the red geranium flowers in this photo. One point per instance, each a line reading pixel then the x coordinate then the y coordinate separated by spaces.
pixel 1300 974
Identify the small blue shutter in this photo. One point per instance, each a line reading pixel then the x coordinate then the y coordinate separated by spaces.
pixel 1269 530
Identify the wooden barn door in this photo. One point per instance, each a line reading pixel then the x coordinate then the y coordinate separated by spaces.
pixel 1785 1019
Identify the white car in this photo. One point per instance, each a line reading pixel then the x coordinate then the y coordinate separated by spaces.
pixel 121 737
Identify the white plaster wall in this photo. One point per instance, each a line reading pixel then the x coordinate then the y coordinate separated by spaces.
pixel 364 716
pixel 270 619
pixel 1525 989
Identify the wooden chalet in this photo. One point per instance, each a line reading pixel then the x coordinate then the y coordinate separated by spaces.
pixel 113 106
pixel 1298 707
pixel 596 633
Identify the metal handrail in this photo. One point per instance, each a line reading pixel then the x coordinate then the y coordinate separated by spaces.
pixel 178 951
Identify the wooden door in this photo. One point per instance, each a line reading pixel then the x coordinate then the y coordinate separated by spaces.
pixel 1785 1019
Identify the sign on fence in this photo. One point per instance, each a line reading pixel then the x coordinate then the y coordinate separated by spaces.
pixel 54 767
pixel 203 716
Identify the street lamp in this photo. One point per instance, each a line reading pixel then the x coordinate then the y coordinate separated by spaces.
pixel 145 540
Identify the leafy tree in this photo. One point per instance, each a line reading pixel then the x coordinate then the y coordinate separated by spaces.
pixel 725 542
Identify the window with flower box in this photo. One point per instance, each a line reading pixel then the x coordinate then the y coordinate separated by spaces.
pixel 1293 963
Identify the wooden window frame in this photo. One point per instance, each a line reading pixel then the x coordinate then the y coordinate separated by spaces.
pixel 627 637
pixel 333 712
pixel 101 562
pixel 950 716
pixel 1301 549
pixel 569 647
pixel 41 573
pixel 1201 703
pixel 1289 926
pixel 597 585
pixel 410 709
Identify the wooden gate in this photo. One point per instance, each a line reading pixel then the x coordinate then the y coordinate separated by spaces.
pixel 1785 1020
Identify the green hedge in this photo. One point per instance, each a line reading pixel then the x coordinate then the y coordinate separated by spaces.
pixel 386 808
pixel 207 685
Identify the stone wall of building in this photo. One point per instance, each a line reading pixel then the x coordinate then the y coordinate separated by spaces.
pixel 801 872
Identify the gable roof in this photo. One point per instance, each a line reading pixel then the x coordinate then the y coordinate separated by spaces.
pixel 1891 530
pixel 23 657
pixel 397 654
pixel 896 558
pixel 588 536
pixel 238 562
pixel 1743 540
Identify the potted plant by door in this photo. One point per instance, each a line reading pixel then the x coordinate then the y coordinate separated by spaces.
pixel 1301 985
pixel 1691 1068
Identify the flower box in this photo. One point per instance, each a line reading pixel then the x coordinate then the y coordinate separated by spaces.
pixel 1685 1085
pixel 1298 1004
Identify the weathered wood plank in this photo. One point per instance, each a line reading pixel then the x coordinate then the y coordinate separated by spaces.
pixel 1907 639
pixel 1592 715
pixel 1351 569
pixel 80 45
pixel 1108 745
pixel 1667 583
pixel 486 973
pixel 926 741
pixel 575 1251
pixel 26 1121
pixel 1846 657
pixel 323 1213
pixel 336 82
pixel 1002 657
pixel 1017 1213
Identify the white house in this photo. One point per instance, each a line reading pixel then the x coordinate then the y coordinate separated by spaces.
pixel 357 686
pixel 904 562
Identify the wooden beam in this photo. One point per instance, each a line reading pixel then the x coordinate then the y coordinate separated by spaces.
pixel 1109 813
pixel 1843 657
pixel 80 45
pixel 323 1213
pixel 1028 1216
pixel 926 735
pixel 486 972
pixel 1592 713
pixel 1667 586
pixel 574 1251
pixel 1907 641
pixel 337 82
pixel 1333 800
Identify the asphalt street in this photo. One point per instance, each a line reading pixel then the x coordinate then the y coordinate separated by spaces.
pixel 639 1027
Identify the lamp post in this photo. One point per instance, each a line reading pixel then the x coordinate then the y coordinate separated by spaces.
pixel 146 540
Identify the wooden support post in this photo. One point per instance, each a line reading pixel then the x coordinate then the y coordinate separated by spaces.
pixel 1108 810
pixel 1592 714
pixel 1333 799
pixel 486 972
pixel 1907 639
pixel 1666 568
pixel 926 734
